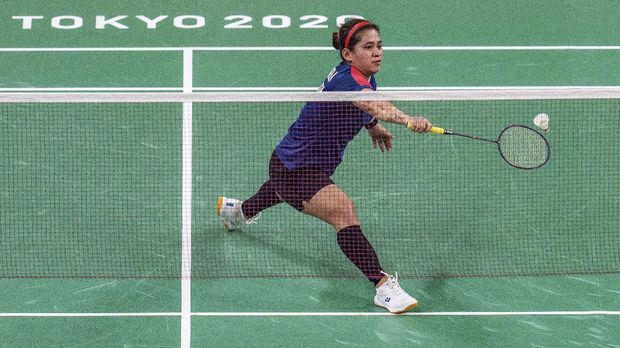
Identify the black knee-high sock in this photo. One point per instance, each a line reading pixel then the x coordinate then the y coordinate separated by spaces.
pixel 358 249
pixel 265 197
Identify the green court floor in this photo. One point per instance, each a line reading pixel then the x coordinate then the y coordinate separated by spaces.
pixel 280 283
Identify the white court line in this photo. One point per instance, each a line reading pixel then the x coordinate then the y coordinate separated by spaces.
pixel 312 48
pixel 315 314
pixel 287 89
pixel 89 315
pixel 502 48
pixel 254 89
pixel 375 314
pixel 396 88
pixel 91 89
pixel 186 219
pixel 357 314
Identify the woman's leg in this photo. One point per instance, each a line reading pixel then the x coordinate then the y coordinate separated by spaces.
pixel 333 206
pixel 266 197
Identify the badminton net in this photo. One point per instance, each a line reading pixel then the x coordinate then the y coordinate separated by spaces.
pixel 92 186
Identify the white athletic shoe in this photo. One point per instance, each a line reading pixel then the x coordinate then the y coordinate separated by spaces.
pixel 229 210
pixel 393 298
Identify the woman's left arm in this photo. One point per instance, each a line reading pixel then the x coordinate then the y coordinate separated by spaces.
pixel 380 137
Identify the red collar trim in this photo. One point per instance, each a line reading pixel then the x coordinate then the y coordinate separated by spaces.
pixel 359 77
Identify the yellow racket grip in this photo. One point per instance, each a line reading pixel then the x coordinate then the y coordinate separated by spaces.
pixel 438 130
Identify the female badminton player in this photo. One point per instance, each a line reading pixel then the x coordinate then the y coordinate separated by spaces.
pixel 303 162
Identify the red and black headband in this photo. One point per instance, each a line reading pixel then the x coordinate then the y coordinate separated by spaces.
pixel 352 32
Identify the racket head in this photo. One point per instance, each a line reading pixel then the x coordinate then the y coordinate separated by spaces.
pixel 523 147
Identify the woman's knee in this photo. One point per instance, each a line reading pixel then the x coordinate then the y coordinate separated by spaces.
pixel 334 207
pixel 343 215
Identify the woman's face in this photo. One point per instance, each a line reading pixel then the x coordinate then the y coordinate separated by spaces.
pixel 367 54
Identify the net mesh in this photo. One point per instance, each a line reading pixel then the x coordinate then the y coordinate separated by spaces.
pixel 94 189
pixel 90 189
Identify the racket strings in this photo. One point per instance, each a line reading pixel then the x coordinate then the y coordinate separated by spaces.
pixel 523 147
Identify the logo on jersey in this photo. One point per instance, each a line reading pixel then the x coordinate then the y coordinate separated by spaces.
pixel 329 78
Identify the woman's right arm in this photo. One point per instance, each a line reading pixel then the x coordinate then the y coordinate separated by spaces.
pixel 386 111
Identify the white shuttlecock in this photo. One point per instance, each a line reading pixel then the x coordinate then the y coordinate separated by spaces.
pixel 542 121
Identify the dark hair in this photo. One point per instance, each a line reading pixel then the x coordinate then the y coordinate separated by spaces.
pixel 339 37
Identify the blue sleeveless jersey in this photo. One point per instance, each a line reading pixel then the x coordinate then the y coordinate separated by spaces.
pixel 319 136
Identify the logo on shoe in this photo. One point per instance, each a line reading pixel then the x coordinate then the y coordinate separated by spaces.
pixel 387 299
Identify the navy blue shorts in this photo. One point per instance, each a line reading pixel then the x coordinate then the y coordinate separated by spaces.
pixel 298 185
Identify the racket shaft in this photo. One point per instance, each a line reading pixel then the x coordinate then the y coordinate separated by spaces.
pixel 438 130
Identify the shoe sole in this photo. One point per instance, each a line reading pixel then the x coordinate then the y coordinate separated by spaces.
pixel 220 202
pixel 408 308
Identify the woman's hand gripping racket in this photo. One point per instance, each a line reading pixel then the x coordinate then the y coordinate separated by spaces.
pixel 520 146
